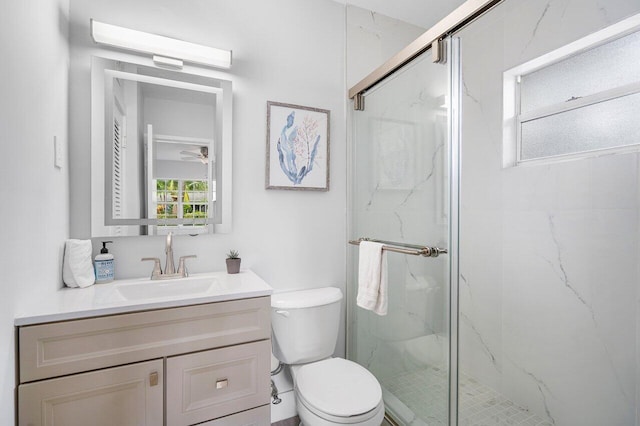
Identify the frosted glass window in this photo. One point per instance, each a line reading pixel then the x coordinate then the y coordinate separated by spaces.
pixel 599 126
pixel 605 67
pixel 577 100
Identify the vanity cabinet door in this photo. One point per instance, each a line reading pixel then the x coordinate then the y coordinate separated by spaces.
pixel 125 396
pixel 211 384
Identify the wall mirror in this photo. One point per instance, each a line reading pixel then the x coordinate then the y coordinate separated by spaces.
pixel 160 151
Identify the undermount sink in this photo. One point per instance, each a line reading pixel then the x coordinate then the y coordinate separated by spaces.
pixel 170 288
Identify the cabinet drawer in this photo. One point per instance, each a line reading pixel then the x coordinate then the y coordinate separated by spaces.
pixel 56 349
pixel 126 396
pixel 216 383
pixel 260 416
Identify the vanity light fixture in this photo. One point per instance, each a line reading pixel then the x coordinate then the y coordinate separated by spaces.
pixel 166 51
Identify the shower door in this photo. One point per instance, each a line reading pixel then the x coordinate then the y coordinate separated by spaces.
pixel 402 182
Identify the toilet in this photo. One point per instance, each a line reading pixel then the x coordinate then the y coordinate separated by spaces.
pixel 328 391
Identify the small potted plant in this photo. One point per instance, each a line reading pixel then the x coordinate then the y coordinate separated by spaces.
pixel 233 262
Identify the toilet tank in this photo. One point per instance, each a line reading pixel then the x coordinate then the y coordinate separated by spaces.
pixel 305 324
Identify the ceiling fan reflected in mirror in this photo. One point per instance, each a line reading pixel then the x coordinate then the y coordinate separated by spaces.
pixel 201 154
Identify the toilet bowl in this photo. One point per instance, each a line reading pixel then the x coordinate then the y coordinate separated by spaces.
pixel 337 391
pixel 328 391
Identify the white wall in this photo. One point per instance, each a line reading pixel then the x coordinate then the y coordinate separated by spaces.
pixel 35 215
pixel 548 297
pixel 178 117
pixel 285 50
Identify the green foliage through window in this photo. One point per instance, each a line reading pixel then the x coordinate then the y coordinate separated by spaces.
pixel 182 199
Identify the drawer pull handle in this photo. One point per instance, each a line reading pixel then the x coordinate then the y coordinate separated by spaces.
pixel 153 379
pixel 222 383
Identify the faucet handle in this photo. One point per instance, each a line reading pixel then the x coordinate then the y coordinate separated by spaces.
pixel 182 268
pixel 157 270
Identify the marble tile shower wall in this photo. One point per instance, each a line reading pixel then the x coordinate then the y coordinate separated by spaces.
pixel 549 253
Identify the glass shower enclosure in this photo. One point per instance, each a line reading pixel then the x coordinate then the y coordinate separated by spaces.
pixel 404 191
pixel 541 290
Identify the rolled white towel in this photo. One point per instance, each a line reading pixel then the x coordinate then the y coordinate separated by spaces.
pixel 372 278
pixel 77 268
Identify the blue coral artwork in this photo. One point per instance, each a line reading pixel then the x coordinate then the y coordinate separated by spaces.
pixel 297 147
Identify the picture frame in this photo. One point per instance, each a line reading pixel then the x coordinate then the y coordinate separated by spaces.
pixel 298 141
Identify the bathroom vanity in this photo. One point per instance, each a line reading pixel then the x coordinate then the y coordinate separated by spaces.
pixel 107 355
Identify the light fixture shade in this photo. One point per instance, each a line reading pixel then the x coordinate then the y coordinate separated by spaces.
pixel 139 41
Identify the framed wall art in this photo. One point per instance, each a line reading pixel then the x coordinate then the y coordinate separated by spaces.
pixel 297 147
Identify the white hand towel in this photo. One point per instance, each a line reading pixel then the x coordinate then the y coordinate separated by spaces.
pixel 77 268
pixel 372 278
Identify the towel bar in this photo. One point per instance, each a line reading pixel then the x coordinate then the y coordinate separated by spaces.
pixel 412 249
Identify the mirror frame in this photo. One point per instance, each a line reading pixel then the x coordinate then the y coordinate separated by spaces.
pixel 102 223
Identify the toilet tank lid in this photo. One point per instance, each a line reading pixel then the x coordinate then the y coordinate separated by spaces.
pixel 306 298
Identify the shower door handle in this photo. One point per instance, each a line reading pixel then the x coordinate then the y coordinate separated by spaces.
pixel 437 251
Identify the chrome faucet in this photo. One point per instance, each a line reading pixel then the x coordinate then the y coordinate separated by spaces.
pixel 169 266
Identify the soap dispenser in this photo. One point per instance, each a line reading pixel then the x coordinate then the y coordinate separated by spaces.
pixel 104 265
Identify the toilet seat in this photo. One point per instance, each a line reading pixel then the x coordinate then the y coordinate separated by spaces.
pixel 339 391
pixel 327 419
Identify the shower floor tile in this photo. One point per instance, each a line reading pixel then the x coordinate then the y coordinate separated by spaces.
pixel 425 392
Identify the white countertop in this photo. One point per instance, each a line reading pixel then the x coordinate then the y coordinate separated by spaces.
pixel 108 299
